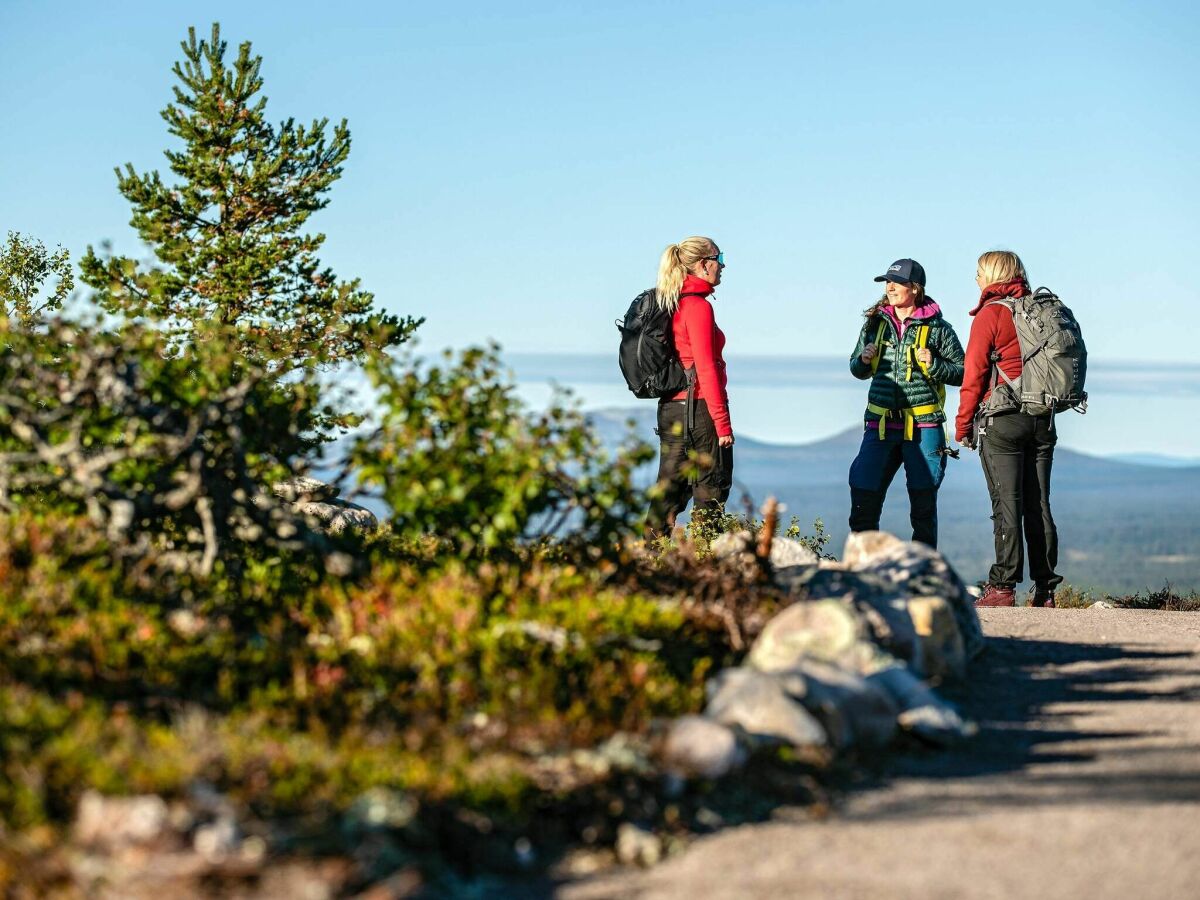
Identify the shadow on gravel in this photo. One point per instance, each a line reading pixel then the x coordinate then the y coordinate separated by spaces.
pixel 1008 694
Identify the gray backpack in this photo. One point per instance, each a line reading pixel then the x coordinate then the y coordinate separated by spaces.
pixel 1053 359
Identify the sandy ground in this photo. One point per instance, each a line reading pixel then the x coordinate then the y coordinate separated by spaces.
pixel 1084 781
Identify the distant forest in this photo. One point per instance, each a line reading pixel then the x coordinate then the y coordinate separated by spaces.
pixel 1124 527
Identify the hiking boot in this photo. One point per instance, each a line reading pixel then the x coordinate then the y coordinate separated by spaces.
pixel 1042 596
pixel 997 595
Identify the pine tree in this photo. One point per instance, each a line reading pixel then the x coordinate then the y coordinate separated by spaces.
pixel 228 236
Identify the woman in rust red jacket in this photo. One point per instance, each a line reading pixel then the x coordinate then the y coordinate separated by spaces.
pixel 1015 448
pixel 687 275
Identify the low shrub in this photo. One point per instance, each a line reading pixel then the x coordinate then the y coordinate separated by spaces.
pixel 450 683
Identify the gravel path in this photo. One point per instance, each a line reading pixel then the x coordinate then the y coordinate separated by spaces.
pixel 1083 782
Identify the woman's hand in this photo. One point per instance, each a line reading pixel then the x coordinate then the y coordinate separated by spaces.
pixel 924 356
pixel 725 440
pixel 868 354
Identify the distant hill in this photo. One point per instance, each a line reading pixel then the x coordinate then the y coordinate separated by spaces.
pixel 1123 526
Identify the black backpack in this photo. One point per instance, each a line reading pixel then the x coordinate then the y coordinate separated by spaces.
pixel 647 356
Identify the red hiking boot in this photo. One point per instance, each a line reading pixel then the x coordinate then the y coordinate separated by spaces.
pixel 1041 596
pixel 997 595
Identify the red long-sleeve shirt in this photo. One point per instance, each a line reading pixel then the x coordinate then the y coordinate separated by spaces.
pixel 700 343
pixel 992 330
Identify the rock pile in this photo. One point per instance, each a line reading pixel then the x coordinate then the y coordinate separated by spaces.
pixel 847 665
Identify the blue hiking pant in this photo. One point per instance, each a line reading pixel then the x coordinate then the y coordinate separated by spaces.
pixel 871 473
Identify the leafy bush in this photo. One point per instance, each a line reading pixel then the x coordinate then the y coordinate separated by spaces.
pixel 296 701
pixel 25 269
pixel 458 459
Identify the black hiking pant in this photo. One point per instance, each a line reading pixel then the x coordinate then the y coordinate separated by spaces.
pixel 691 466
pixel 1017 452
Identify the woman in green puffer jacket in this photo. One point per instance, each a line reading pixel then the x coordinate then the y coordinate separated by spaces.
pixel 910 353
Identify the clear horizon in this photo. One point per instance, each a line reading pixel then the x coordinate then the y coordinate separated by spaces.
pixel 771 396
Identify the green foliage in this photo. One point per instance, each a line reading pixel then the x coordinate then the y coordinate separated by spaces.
pixel 166 620
pixel 460 460
pixel 228 235
pixel 25 268
pixel 450 683
pixel 1166 598
pixel 816 542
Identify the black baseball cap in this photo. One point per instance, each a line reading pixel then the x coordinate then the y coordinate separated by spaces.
pixel 904 271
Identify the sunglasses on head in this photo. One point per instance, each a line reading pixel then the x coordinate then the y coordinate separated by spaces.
pixel 720 258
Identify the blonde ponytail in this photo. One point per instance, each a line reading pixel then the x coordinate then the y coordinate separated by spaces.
pixel 677 260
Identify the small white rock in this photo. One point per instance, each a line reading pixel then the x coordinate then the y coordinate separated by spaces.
pixel 637 846
pixel 697 747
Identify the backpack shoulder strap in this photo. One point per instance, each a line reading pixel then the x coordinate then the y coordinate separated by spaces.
pixel 878 345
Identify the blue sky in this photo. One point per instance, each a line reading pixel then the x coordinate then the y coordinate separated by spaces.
pixel 517 168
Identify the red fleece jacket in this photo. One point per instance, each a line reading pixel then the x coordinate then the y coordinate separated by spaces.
pixel 700 343
pixel 992 330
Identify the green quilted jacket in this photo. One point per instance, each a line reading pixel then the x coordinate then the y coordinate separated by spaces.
pixel 898 382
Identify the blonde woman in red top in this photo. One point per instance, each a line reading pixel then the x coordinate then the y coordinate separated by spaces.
pixel 687 275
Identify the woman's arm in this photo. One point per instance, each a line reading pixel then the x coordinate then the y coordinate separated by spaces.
pixel 947 364
pixel 859 369
pixel 701 326
pixel 976 368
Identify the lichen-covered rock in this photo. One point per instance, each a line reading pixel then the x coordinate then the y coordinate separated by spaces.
pixel 731 543
pixel 303 489
pixel 785 552
pixel 637 846
pixel 922 712
pixel 115 822
pixel 696 747
pixel 880 606
pixel 826 630
pixel 338 516
pixel 757 703
pixel 852 710
pixel 916 570
pixel 942 652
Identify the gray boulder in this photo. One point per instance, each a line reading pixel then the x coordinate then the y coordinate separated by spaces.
pixel 696 747
pixel 785 553
pixel 854 711
pixel 758 704
pixel 916 570
pixel 881 606
pixel 790 560
pixel 115 822
pixel 637 846
pixel 825 630
pixel 731 543
pixel 303 489
pixel 338 516
pixel 922 712
pixel 943 652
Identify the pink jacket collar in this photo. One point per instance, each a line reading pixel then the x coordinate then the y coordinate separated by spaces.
pixel 926 310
